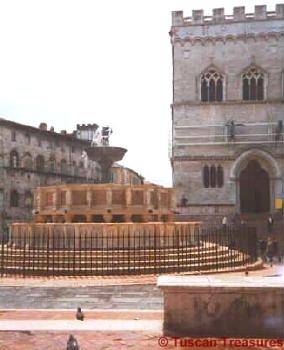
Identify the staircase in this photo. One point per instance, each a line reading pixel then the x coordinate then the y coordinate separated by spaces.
pixel 205 257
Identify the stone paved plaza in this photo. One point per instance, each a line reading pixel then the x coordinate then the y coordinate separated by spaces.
pixel 125 315
pixel 97 297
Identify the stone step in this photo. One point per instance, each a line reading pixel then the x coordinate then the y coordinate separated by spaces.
pixel 194 268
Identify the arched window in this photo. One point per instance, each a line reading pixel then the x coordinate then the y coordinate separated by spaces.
pixel 75 168
pixel 213 176
pixel 27 161
pixel 28 199
pixel 39 163
pixel 220 176
pixel 63 166
pixel 28 139
pixel 206 176
pixel 253 84
pixel 14 199
pixel 211 86
pixel 13 135
pixel 52 165
pixel 14 159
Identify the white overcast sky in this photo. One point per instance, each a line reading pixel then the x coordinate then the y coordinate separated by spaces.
pixel 106 62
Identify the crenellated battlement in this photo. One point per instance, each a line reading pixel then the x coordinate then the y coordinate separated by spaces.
pixel 87 126
pixel 218 16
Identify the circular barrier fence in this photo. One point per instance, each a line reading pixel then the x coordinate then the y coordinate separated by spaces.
pixel 123 249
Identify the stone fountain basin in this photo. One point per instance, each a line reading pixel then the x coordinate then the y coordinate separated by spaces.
pixel 102 153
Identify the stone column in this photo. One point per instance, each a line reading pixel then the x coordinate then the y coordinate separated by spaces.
pixel 109 197
pixel 56 199
pixel 89 218
pixel 172 200
pixel 127 218
pixel 89 197
pixel 128 197
pixel 158 199
pixel 107 217
pixel 68 218
pixel 40 200
pixel 68 198
pixel 147 198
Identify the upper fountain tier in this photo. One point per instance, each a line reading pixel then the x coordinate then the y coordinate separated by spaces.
pixel 105 156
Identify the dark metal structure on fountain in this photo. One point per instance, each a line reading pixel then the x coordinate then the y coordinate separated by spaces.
pixel 104 154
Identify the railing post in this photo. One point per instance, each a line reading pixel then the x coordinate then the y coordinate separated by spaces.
pixel 47 253
pixel 155 251
pixel 198 246
pixel 24 257
pixel 128 247
pixel 2 254
pixel 80 253
pixel 178 246
pixel 218 246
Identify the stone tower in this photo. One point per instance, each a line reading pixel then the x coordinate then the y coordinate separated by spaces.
pixel 228 111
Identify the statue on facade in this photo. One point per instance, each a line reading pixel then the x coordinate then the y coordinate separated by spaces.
pixel 85 159
pixel 279 130
pixel 231 130
pixel 106 132
pixel 101 136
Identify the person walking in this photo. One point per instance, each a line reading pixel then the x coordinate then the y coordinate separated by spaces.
pixel 270 223
pixel 276 249
pixel 262 249
pixel 224 223
pixel 270 249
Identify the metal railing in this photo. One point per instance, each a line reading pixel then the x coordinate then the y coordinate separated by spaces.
pixel 244 133
pixel 155 251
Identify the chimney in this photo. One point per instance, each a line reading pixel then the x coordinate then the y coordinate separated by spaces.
pixel 63 132
pixel 43 126
pixel 52 129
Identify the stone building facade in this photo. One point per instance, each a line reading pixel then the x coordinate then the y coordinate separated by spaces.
pixel 228 112
pixel 32 157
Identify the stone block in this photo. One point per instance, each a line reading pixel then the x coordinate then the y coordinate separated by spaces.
pixel 197 16
pixel 280 10
pixel 241 306
pixel 177 18
pixel 239 13
pixel 260 12
pixel 218 15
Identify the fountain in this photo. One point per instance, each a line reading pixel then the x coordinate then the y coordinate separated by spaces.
pixel 104 154
pixel 111 229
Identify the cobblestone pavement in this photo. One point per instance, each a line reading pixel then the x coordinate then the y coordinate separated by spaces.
pixel 121 316
pixel 124 292
pixel 88 297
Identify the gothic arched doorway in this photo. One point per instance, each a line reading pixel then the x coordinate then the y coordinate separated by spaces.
pixel 254 189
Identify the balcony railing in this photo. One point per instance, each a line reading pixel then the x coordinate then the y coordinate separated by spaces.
pixel 243 133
